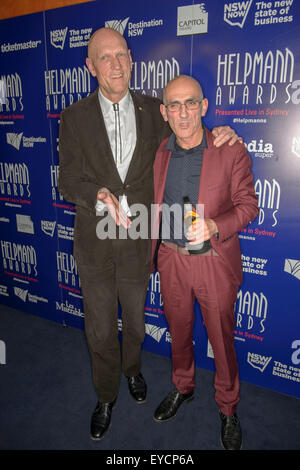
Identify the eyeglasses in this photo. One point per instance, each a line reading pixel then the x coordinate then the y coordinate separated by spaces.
pixel 189 104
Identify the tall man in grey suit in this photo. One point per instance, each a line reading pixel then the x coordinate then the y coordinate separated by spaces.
pixel 107 149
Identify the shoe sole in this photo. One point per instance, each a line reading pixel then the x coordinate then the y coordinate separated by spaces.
pixel 174 416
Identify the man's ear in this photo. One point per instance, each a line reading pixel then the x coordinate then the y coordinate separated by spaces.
pixel 130 58
pixel 90 66
pixel 163 112
pixel 204 106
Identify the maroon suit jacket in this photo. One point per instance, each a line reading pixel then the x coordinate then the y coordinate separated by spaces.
pixel 226 189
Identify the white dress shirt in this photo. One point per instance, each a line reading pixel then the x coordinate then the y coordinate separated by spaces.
pixel 128 136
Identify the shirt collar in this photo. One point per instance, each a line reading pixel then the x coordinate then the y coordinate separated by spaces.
pixel 175 148
pixel 106 104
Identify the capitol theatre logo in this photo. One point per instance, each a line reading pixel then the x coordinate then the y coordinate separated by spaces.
pixel 192 19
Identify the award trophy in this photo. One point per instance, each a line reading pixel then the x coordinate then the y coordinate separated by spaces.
pixel 190 217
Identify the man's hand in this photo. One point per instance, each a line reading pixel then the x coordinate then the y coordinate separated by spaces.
pixel 224 133
pixel 201 230
pixel 114 207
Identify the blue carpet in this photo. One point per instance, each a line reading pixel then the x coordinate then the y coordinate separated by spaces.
pixel 47 398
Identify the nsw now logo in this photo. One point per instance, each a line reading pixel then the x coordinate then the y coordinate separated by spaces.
pixel 58 37
pixel 235 13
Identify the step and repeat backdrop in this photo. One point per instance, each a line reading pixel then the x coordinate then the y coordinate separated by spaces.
pixel 246 55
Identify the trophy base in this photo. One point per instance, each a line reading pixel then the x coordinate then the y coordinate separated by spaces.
pixel 199 249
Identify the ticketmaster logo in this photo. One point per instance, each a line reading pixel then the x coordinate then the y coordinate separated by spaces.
pixel 14 139
pixel 155 332
pixel 257 361
pixel 118 25
pixel 292 266
pixel 20 46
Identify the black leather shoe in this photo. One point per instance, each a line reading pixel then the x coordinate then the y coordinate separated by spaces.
pixel 101 420
pixel 231 432
pixel 170 405
pixel 138 388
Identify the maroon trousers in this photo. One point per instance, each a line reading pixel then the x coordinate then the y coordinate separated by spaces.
pixel 206 278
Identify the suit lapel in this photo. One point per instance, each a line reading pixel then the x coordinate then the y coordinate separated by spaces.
pixel 100 137
pixel 139 118
pixel 162 175
pixel 206 172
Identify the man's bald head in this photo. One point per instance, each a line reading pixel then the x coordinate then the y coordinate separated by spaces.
pixel 103 35
pixel 110 61
pixel 184 107
pixel 182 79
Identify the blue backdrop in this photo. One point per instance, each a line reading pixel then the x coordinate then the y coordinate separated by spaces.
pixel 246 55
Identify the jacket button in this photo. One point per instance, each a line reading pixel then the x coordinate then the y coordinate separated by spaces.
pixel 126 186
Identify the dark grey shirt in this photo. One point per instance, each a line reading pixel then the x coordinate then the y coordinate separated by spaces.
pixel 182 180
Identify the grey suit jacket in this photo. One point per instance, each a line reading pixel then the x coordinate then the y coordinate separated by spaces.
pixel 87 164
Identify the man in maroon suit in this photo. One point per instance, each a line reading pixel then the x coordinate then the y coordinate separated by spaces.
pixel 107 147
pixel 188 165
